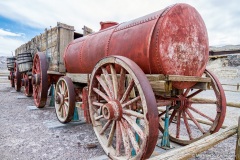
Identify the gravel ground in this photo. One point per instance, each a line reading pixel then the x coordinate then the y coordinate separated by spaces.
pixel 24 136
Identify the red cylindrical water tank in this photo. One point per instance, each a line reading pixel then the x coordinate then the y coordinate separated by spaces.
pixel 172 41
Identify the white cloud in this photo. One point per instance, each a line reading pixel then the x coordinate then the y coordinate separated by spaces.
pixel 8 45
pixel 8 33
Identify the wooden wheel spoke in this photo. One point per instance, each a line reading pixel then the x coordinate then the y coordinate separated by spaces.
pixel 121 83
pixel 187 126
pixel 109 81
pixel 105 126
pixel 202 114
pixel 126 142
pixel 67 104
pixel 131 136
pixel 134 126
pixel 195 121
pixel 111 134
pixel 178 124
pixel 186 92
pixel 159 115
pixel 202 101
pixel 195 93
pixel 133 113
pixel 104 86
pixel 127 92
pixel 66 109
pixel 118 138
pixel 66 98
pixel 61 89
pixel 131 101
pixel 100 93
pixel 98 117
pixel 115 81
pixel 60 108
pixel 172 116
pixel 97 104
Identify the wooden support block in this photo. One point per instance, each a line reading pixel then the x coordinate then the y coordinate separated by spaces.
pixel 81 78
pixel 161 86
pixel 238 142
pixel 201 85
pixel 199 146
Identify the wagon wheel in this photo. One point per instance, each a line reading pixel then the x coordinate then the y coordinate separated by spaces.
pixel 120 121
pixel 12 79
pixel 40 79
pixel 195 117
pixel 64 99
pixel 17 78
pixel 28 89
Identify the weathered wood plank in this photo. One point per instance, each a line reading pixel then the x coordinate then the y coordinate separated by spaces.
pixel 229 104
pixel 238 142
pixel 198 146
pixel 161 86
pixel 81 78
pixel 188 78
pixel 53 43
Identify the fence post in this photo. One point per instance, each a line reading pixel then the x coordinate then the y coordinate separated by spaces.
pixel 238 141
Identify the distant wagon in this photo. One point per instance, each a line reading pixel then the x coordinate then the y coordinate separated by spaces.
pixel 125 74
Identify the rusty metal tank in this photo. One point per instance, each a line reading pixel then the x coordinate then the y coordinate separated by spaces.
pixel 172 41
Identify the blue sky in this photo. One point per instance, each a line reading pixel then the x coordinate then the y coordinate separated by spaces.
pixel 21 20
pixel 26 32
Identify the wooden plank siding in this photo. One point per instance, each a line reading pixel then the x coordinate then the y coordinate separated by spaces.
pixel 53 43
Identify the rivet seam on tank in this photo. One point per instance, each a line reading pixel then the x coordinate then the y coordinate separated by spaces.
pixel 108 43
pixel 80 61
pixel 157 35
pixel 138 23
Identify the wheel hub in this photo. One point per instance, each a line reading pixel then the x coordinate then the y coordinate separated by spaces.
pixel 184 102
pixel 59 99
pixel 112 110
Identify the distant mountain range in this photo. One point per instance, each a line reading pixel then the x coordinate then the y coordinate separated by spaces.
pixel 224 48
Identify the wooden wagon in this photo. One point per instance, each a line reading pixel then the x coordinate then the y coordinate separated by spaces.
pixel 125 75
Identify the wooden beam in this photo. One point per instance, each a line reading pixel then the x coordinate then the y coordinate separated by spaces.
pixel 188 78
pixel 198 146
pixel 229 104
pixel 238 141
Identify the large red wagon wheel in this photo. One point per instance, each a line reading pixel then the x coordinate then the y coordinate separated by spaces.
pixel 40 79
pixel 123 123
pixel 195 117
pixel 12 79
pixel 17 78
pixel 64 99
pixel 27 83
